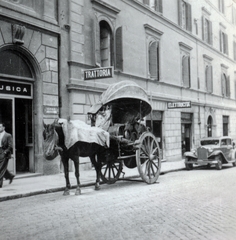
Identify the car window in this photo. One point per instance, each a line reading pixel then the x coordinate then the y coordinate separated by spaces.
pixel 223 142
pixel 210 142
pixel 228 141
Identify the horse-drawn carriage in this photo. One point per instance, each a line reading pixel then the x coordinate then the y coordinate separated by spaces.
pixel 120 111
pixel 119 115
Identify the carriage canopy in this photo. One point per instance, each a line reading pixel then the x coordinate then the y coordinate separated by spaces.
pixel 125 98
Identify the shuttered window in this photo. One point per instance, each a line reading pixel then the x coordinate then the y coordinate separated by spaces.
pixel 234 47
pixel 154 60
pixel 209 80
pixel 207 30
pixel 186 71
pixel 225 85
pixel 119 50
pixel 185 15
pixel 223 42
pixel 221 4
pixel 103 44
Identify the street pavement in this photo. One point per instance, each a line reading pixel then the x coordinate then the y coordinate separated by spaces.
pixel 32 184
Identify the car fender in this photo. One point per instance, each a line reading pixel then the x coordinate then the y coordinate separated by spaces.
pixel 218 152
pixel 190 154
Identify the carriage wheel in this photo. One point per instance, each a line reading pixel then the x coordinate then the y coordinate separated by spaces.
pixel 148 158
pixel 111 171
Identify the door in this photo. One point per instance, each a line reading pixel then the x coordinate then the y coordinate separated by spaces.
pixel 7 117
pixel 186 138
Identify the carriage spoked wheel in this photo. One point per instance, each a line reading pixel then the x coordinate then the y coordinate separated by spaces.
pixel 148 158
pixel 111 171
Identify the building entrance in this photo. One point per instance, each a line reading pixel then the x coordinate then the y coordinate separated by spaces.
pixel 16 113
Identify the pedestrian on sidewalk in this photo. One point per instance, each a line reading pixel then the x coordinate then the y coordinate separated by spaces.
pixel 6 146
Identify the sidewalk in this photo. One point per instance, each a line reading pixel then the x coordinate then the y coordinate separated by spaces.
pixel 33 184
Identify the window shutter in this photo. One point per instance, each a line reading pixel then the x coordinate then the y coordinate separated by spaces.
pixel 203 28
pixel 228 86
pixel 186 71
pixel 210 33
pixel 153 60
pixel 211 70
pixel 180 12
pixel 220 34
pixel 160 6
pixel 209 78
pixel 96 42
pixel 226 44
pixel 189 17
pixel 119 49
pixel 234 51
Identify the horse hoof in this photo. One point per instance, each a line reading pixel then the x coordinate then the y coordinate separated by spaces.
pixel 66 193
pixel 78 192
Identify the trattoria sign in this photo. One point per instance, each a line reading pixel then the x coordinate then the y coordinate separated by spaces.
pixel 171 105
pixel 13 88
pixel 97 73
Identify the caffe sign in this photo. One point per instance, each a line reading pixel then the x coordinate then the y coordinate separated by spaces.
pixel 13 88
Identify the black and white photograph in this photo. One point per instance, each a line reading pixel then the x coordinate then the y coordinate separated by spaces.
pixel 117 119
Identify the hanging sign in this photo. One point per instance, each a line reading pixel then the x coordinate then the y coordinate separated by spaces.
pixel 171 105
pixel 97 73
pixel 15 88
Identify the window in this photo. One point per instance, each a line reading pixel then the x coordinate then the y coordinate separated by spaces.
pixel 208 78
pixel 185 64
pixel 223 42
pixel 221 6
pixel 225 85
pixel 234 49
pixel 155 5
pixel 105 44
pixel 153 53
pixel 207 30
pixel 185 15
pixel 233 15
pixel 208 73
pixel 186 71
pixel 225 125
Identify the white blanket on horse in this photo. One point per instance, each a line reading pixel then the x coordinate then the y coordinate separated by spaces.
pixel 76 130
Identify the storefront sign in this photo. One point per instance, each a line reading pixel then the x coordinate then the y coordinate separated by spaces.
pixel 98 73
pixel 51 110
pixel 15 88
pixel 172 105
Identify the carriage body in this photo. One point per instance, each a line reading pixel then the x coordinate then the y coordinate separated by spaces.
pixel 120 111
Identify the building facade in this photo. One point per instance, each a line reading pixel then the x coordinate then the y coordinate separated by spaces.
pixel 182 52
pixel 29 51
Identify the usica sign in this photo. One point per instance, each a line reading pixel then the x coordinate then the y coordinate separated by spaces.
pixel 15 88
pixel 97 73
pixel 172 105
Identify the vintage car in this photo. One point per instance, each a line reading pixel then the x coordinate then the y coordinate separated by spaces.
pixel 212 151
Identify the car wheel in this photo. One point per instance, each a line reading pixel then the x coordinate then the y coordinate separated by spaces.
pixel 189 166
pixel 208 165
pixel 234 163
pixel 219 162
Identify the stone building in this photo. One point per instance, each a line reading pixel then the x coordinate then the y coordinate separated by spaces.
pixel 29 52
pixel 182 52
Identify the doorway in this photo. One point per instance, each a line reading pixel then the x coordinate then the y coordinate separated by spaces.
pixel 23 134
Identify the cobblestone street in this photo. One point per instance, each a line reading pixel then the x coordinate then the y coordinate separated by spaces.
pixel 196 204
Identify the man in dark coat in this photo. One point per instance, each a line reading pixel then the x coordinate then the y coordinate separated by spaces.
pixel 6 146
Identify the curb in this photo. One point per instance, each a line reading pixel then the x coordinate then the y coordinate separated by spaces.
pixel 58 189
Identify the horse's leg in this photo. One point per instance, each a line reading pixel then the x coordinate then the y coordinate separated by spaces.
pixel 76 163
pixel 98 171
pixel 65 161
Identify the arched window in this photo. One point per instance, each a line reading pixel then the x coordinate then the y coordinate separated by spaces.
pixel 209 126
pixel 153 52
pixel 105 44
pixel 186 71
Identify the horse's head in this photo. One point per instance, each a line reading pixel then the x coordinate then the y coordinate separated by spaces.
pixel 50 142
